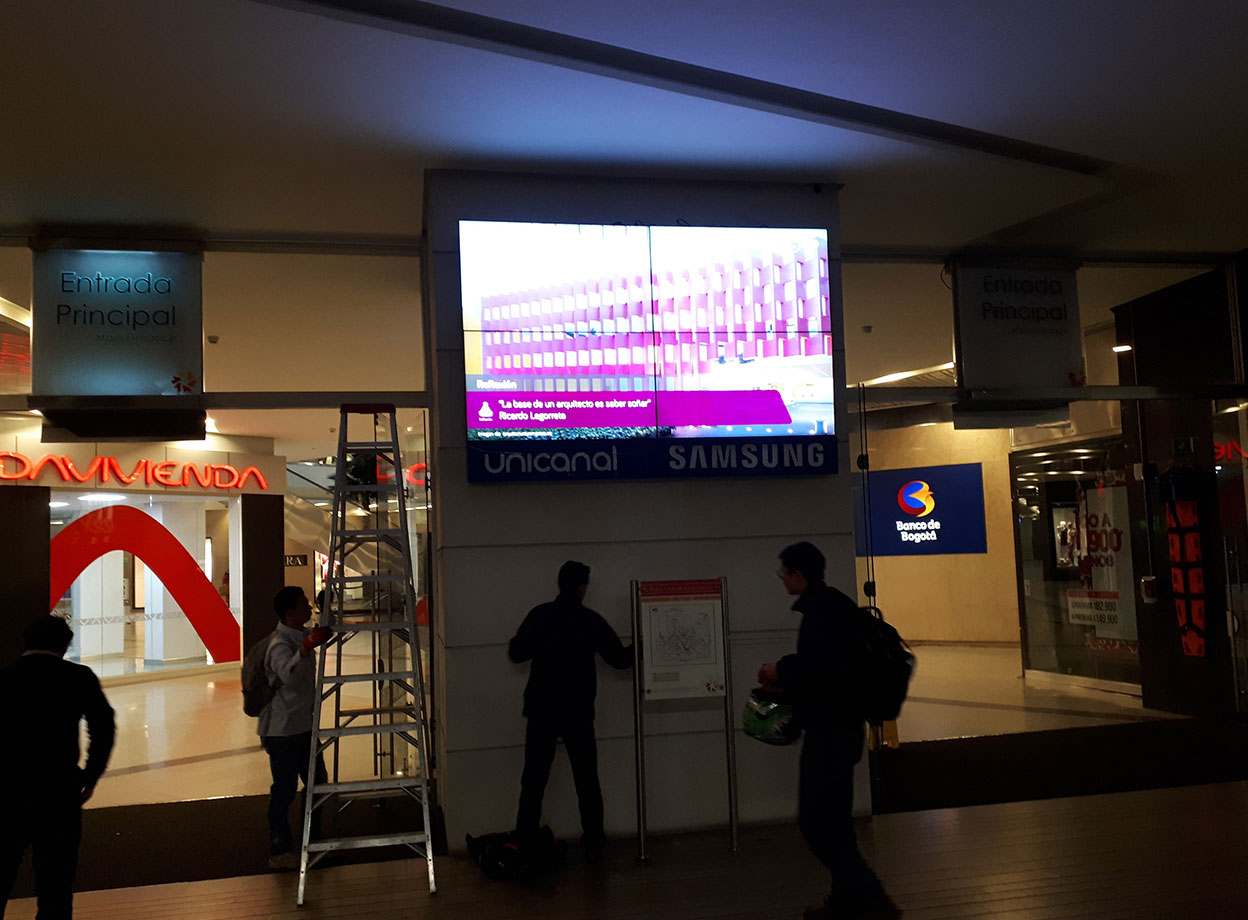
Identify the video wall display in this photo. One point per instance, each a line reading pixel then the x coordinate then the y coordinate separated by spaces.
pixel 630 337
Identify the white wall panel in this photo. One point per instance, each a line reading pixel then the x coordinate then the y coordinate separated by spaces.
pixel 494 587
pixel 498 547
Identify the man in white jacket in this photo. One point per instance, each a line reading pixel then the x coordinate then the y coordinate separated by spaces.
pixel 286 722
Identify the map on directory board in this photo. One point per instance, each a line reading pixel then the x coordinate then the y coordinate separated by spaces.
pixel 682 635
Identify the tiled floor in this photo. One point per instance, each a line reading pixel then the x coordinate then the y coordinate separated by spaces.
pixel 1167 854
pixel 965 691
pixel 187 738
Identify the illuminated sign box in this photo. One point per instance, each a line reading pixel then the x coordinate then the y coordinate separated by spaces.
pixel 116 323
pixel 924 511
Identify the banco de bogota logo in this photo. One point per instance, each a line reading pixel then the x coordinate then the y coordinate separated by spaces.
pixel 915 498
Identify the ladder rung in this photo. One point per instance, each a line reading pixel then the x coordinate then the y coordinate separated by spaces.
pixel 389 784
pixel 371 626
pixel 353 446
pixel 349 487
pixel 363 678
pixel 375 711
pixel 370 533
pixel 391 729
pixel 359 843
pixel 366 579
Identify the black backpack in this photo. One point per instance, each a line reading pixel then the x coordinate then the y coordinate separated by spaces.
pixel 257 691
pixel 508 855
pixel 887 666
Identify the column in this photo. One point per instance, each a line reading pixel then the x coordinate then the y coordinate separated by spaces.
pixel 169 634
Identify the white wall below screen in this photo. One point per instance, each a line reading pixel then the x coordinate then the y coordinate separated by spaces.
pixel 686 757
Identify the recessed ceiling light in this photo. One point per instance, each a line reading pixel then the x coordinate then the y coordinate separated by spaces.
pixel 102 497
pixel 1119 349
pixel 58 504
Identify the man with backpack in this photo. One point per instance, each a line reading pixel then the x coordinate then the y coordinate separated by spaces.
pixel 285 727
pixel 823 679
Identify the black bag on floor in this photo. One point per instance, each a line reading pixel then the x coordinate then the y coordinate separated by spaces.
pixel 509 856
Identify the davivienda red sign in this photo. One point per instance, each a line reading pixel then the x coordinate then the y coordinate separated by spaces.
pixel 103 470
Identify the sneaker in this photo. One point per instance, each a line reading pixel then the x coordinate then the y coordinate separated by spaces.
pixel 881 908
pixel 592 847
pixel 284 862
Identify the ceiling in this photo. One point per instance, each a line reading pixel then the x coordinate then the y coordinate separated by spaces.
pixel 263 121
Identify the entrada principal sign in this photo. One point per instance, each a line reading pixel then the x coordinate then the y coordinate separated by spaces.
pixel 116 323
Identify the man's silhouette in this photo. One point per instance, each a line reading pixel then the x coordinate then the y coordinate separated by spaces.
pixel 48 697
pixel 561 638
pixel 821 678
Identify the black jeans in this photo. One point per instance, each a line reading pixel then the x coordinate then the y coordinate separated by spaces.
pixel 825 814
pixel 49 821
pixel 288 760
pixel 539 754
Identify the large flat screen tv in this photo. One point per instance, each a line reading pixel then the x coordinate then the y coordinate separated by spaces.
pixel 620 351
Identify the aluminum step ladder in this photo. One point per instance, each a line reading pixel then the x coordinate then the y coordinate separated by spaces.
pixel 375 649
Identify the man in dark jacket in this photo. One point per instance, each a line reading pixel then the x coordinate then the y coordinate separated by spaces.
pixel 821 680
pixel 561 638
pixel 48 697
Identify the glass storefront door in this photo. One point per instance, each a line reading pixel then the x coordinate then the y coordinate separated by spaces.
pixel 1074 527
pixel 1230 453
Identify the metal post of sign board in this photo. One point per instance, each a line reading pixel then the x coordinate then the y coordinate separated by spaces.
pixel 730 733
pixel 639 721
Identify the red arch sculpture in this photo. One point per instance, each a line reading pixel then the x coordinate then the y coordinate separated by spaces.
pixel 125 528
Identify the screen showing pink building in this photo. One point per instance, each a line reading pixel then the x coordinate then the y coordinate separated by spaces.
pixel 620 332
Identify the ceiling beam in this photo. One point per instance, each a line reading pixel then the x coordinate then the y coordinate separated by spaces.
pixel 228 241
pixel 936 255
pixel 473 30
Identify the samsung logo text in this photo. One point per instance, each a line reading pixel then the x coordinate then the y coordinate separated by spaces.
pixel 745 456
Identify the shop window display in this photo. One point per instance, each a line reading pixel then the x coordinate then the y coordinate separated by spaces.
pixel 1073 515
pixel 127 620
